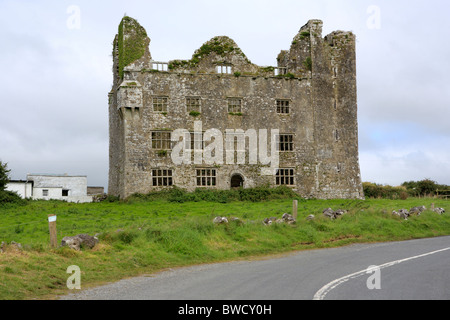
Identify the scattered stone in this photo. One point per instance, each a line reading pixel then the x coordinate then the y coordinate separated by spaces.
pixel 288 218
pixel 13 245
pixel 310 217
pixel 329 213
pixel 17 245
pixel 402 213
pixel 340 212
pixel 440 211
pixel 220 220
pixel 72 242
pixel 80 240
pixel 417 210
pixel 88 240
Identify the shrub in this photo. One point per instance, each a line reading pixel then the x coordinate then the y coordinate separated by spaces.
pixel 4 175
pixel 378 191
pixel 11 198
pixel 424 187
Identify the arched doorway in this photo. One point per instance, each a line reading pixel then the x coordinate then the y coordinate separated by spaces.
pixel 237 181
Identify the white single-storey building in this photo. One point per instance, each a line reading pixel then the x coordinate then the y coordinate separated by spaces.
pixel 23 188
pixel 52 187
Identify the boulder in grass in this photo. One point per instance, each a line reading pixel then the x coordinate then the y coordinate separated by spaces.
pixel 78 241
pixel 288 218
pixel 329 213
pixel 417 210
pixel 220 220
pixel 340 212
pixel 402 213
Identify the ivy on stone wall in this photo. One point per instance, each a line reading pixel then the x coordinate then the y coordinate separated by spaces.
pixel 132 42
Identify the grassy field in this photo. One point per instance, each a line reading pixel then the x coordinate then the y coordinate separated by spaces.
pixel 143 236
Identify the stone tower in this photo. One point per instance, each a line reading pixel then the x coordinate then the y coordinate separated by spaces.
pixel 306 107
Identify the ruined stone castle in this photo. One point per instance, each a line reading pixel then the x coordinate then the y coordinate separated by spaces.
pixel 309 100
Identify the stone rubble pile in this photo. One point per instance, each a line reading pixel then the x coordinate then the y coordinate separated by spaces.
pixel 416 211
pixel 286 218
pixel 225 220
pixel 13 244
pixel 330 213
pixel 80 240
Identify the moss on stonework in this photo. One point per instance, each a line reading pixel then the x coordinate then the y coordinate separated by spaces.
pixel 308 63
pixel 132 42
pixel 221 46
pixel 194 114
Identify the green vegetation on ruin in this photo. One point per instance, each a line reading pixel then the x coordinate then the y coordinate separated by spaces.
pixel 221 46
pixel 132 47
pixel 305 34
pixel 308 63
pixel 194 114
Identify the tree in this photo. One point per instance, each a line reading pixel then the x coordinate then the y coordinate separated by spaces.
pixel 427 187
pixel 4 175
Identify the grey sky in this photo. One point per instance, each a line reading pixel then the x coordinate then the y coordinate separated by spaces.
pixel 55 79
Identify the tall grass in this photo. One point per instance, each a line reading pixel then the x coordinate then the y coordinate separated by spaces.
pixel 148 233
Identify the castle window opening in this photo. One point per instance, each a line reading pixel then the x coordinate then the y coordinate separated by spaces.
pixel 283 107
pixel 193 104
pixel 280 71
pixel 223 69
pixel 286 142
pixel 162 178
pixel 206 177
pixel 65 193
pixel 161 140
pixel 234 105
pixel 160 66
pixel 45 193
pixel 194 141
pixel 160 104
pixel 285 177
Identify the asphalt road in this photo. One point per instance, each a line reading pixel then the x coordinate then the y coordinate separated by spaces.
pixel 418 269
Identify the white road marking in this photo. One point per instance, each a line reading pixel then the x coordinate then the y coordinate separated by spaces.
pixel 320 295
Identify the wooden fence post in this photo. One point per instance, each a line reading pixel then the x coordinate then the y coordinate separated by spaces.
pixel 295 210
pixel 52 228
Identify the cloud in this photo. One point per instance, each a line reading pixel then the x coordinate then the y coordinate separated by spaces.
pixel 55 81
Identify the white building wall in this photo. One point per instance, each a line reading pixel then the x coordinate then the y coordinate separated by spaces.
pixel 52 193
pixel 75 186
pixel 22 188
